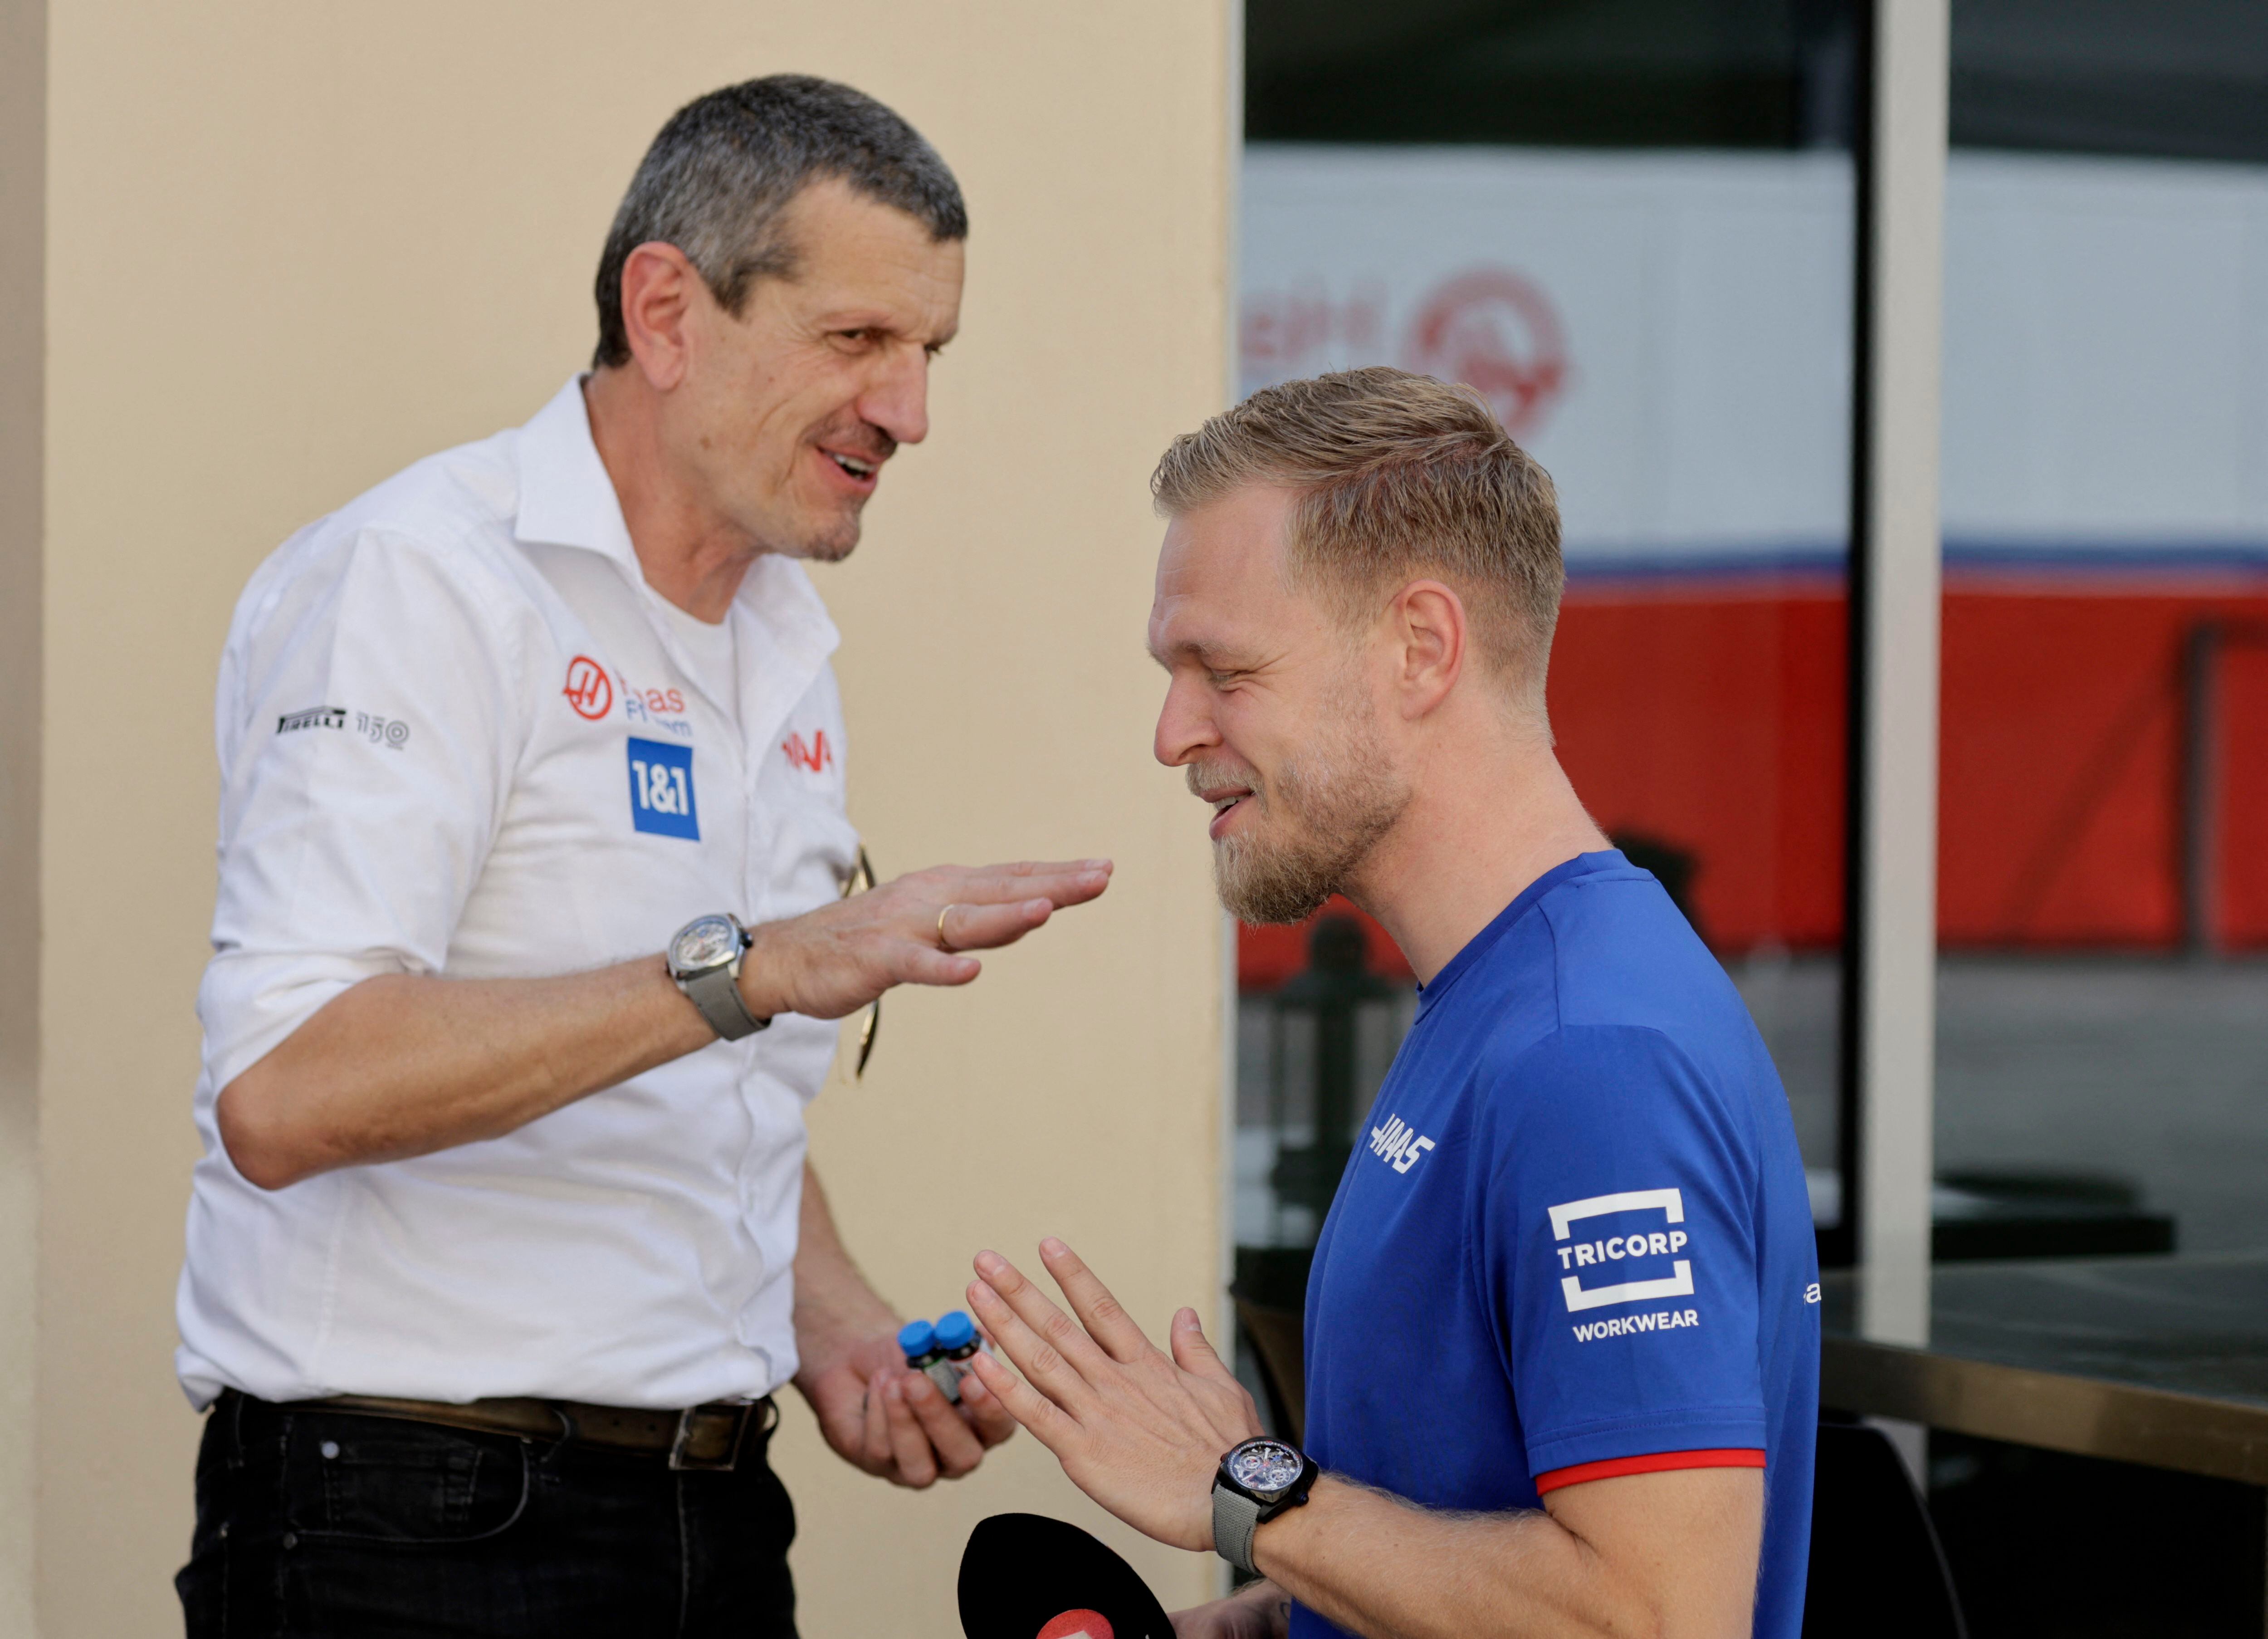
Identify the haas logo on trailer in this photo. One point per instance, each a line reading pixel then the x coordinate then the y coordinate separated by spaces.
pixel 1493 330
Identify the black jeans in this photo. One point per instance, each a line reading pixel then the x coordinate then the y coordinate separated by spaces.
pixel 324 1524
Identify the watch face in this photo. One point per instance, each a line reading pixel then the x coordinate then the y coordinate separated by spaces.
pixel 1264 1466
pixel 710 942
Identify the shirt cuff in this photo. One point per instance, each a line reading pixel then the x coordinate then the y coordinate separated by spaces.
pixel 1653 1463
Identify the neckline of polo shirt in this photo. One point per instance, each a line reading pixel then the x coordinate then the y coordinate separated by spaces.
pixel 777 593
pixel 565 496
pixel 567 500
pixel 1502 922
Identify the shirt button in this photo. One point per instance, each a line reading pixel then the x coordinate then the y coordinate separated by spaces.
pixel 330 1448
pixel 290 1540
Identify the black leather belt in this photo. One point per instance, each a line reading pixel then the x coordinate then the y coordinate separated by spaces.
pixel 699 1437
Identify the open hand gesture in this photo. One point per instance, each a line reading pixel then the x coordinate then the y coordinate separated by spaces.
pixel 916 929
pixel 1139 1431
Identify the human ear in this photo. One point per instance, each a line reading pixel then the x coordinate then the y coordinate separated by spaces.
pixel 1429 622
pixel 658 287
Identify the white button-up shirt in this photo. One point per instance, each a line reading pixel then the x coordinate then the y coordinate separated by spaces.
pixel 459 737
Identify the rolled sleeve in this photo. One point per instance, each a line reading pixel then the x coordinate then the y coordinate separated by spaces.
pixel 366 754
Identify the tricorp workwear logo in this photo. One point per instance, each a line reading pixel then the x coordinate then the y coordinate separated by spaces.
pixel 1615 1249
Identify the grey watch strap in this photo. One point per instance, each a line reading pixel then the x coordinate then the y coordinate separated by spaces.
pixel 1235 1516
pixel 717 993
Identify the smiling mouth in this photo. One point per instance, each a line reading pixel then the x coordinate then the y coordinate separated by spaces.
pixel 857 469
pixel 1223 804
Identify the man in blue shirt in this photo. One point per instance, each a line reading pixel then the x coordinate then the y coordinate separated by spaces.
pixel 1562 1333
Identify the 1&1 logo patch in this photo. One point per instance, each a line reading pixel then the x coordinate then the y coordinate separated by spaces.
pixel 661 789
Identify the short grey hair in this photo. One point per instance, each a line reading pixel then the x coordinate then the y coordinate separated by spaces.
pixel 716 178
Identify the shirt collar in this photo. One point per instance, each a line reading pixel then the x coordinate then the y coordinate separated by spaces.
pixel 567 500
pixel 1475 950
pixel 565 496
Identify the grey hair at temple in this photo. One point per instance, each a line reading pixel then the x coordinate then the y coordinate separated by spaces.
pixel 724 167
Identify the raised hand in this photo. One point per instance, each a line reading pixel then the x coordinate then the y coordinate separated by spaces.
pixel 1139 1431
pixel 914 930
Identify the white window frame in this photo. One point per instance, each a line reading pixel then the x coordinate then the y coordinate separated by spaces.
pixel 1896 580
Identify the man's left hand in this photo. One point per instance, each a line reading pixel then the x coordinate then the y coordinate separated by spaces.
pixel 893 1422
pixel 1140 1431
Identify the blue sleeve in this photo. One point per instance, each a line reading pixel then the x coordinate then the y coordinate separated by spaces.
pixel 1618 1243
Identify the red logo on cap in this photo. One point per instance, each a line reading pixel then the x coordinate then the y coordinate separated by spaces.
pixel 589 690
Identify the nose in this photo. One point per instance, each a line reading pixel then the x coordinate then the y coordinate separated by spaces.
pixel 896 399
pixel 1186 729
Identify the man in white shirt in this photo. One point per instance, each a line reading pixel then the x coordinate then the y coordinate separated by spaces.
pixel 504 1234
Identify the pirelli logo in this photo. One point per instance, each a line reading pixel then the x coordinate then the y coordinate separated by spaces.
pixel 312 717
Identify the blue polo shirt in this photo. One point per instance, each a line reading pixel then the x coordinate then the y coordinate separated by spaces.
pixel 1574 1240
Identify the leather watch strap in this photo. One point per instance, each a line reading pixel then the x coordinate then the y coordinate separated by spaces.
pixel 1235 1516
pixel 717 993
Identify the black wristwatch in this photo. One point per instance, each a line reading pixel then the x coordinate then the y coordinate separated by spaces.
pixel 1257 1480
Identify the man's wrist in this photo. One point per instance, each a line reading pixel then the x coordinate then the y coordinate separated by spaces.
pixel 1258 1480
pixel 822 1344
pixel 760 972
pixel 1277 1533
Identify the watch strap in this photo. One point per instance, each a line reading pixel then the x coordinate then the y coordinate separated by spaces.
pixel 717 993
pixel 1235 1516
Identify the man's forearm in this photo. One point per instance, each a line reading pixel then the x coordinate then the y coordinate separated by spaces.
pixel 874 1412
pixel 1671 1555
pixel 834 1306
pixel 404 1064
pixel 1378 1566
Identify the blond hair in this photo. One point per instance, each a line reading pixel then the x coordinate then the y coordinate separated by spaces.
pixel 1396 477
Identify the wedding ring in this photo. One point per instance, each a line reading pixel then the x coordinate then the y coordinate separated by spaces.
pixel 943 943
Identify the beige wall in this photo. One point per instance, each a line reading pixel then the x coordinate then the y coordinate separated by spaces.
pixel 23 176
pixel 291 247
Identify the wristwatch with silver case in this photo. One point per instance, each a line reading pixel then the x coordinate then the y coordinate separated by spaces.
pixel 704 959
pixel 1257 1480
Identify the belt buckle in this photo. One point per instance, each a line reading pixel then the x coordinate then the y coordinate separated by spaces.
pixel 681 1456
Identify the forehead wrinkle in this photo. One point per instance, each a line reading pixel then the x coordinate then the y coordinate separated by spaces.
pixel 1188 648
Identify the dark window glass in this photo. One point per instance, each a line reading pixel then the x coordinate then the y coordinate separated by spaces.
pixel 1629 222
pixel 2103 1040
pixel 2173 78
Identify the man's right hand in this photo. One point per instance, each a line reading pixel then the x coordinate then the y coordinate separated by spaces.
pixel 831 961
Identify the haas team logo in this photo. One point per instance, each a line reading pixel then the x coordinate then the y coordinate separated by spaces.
pixel 811 757
pixel 1492 330
pixel 589 690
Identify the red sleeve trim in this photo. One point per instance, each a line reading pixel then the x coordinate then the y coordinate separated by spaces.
pixel 1655 1463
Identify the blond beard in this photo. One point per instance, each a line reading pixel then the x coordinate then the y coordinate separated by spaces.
pixel 1332 804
